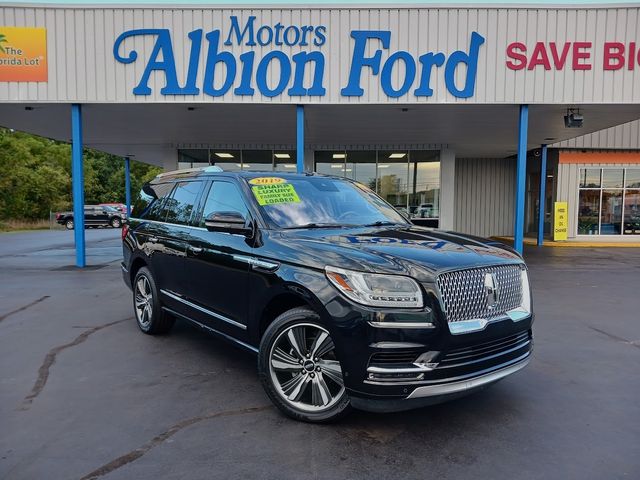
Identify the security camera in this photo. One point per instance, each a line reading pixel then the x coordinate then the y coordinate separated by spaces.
pixel 573 119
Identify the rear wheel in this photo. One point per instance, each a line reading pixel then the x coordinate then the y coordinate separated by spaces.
pixel 69 224
pixel 299 369
pixel 146 305
pixel 116 223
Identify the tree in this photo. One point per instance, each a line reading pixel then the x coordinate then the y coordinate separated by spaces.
pixel 36 176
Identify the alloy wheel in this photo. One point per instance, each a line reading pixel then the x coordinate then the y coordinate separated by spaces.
pixel 304 368
pixel 143 301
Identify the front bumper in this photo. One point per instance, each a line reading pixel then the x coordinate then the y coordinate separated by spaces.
pixel 433 394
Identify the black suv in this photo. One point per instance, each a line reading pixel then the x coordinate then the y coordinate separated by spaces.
pixel 94 216
pixel 345 302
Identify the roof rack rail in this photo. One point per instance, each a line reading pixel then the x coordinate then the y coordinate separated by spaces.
pixel 209 169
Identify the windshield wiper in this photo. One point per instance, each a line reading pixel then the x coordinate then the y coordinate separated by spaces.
pixel 381 223
pixel 318 225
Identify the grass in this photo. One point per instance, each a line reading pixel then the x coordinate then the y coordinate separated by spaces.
pixel 14 225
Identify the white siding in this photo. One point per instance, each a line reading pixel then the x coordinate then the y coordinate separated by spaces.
pixel 82 67
pixel 485 193
pixel 625 136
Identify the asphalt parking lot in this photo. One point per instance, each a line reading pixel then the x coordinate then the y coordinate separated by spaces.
pixel 84 394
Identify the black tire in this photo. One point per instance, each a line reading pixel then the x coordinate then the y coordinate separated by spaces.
pixel 150 317
pixel 69 225
pixel 115 223
pixel 274 378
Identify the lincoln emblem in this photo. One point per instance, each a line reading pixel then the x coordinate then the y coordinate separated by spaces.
pixel 491 290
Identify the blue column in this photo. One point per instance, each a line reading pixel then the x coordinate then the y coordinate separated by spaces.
pixel 77 180
pixel 543 185
pixel 521 176
pixel 300 138
pixel 127 185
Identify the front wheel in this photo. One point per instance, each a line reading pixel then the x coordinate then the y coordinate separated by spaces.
pixel 69 224
pixel 116 223
pixel 299 369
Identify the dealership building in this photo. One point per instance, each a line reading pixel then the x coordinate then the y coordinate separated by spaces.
pixel 470 118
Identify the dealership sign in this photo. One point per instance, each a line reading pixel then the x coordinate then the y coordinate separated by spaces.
pixel 234 62
pixel 248 72
pixel 23 54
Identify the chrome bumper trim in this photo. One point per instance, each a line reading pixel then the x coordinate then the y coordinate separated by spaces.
pixel 479 324
pixel 415 369
pixel 409 325
pixel 464 385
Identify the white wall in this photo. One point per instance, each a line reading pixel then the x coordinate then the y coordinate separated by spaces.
pixel 82 67
pixel 485 196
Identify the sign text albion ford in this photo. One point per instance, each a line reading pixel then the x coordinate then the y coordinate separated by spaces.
pixel 247 72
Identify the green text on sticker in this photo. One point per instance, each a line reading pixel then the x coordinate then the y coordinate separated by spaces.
pixel 275 194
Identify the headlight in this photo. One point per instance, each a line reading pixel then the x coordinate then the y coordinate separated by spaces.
pixel 375 289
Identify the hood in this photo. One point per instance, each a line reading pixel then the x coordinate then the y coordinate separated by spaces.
pixel 416 251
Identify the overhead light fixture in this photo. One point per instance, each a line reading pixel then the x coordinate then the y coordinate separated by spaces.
pixel 339 155
pixel 348 169
pixel 282 155
pixel 397 155
pixel 548 139
pixel 289 165
pixel 224 155
pixel 246 166
pixel 337 165
pixel 573 118
pixel 239 165
pixel 384 166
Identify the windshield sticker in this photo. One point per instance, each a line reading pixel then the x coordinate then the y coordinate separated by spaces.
pixel 274 194
pixel 267 181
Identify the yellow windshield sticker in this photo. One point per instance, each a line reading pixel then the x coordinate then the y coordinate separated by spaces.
pixel 275 194
pixel 266 181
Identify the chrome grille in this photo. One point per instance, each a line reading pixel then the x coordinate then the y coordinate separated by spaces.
pixel 464 296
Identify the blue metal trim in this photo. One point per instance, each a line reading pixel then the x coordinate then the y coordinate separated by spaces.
pixel 543 185
pixel 127 185
pixel 77 179
pixel 300 138
pixel 521 175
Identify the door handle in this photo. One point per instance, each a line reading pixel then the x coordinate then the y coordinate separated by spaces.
pixel 195 250
pixel 153 239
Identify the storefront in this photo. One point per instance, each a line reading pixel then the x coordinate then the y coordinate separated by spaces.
pixel 439 110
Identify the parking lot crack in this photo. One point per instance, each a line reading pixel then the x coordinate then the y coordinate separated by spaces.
pixel 133 455
pixel 24 307
pixel 50 359
pixel 616 338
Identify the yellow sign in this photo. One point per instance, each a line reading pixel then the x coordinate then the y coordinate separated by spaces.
pixel 266 180
pixel 275 193
pixel 23 54
pixel 560 221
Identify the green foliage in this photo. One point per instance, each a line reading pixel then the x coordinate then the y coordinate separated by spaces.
pixel 35 176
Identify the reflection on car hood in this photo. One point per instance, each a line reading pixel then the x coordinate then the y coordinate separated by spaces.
pixel 416 251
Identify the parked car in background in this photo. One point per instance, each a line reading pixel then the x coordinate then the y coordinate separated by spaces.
pixel 94 216
pixel 121 207
pixel 344 301
pixel 425 210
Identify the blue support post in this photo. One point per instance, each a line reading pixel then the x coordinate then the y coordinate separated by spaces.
pixel 127 185
pixel 521 176
pixel 300 138
pixel 77 179
pixel 543 185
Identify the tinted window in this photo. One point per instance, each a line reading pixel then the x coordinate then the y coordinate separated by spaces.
pixel 223 197
pixel 296 202
pixel 148 205
pixel 179 205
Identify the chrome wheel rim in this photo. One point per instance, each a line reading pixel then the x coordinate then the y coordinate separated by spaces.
pixel 304 368
pixel 143 299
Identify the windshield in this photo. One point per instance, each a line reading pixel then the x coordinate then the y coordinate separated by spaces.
pixel 315 202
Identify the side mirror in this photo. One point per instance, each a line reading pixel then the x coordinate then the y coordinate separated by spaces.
pixel 228 222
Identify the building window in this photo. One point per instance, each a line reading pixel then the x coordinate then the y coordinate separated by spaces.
pixel 407 179
pixel 609 201
pixel 231 160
